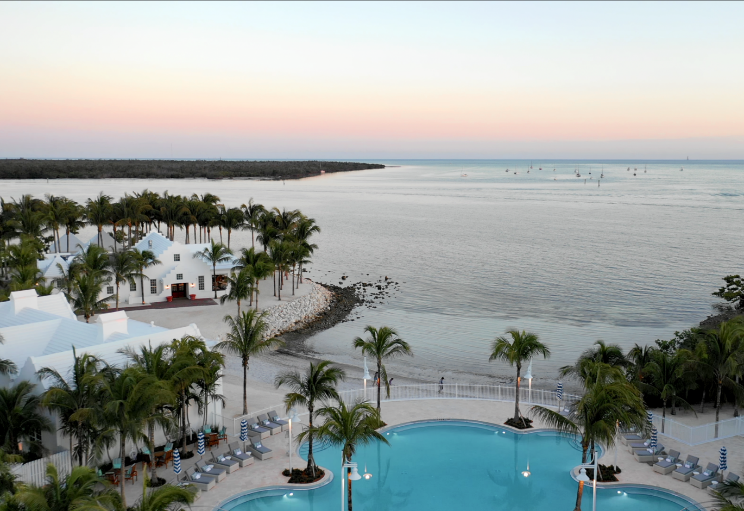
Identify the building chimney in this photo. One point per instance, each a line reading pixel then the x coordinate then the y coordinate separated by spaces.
pixel 27 299
pixel 112 323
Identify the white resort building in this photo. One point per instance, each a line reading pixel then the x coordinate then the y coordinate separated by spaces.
pixel 179 276
pixel 41 331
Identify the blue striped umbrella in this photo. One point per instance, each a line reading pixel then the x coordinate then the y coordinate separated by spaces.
pixel 650 417
pixel 243 430
pixel 723 459
pixel 654 438
pixel 176 461
pixel 200 448
pixel 559 392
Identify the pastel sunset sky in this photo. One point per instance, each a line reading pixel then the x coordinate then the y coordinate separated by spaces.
pixel 372 80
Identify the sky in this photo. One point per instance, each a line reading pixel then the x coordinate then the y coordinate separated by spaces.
pixel 345 80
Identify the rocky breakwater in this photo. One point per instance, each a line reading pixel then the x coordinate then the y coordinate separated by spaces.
pixel 298 313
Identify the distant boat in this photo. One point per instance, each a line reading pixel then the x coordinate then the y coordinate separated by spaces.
pixel 540 168
pixel 507 170
pixel 464 175
pixel 681 169
pixel 578 175
pixel 634 173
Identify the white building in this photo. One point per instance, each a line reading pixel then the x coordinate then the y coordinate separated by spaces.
pixel 40 331
pixel 179 276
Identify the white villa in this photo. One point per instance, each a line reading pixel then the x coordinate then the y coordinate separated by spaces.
pixel 179 276
pixel 40 331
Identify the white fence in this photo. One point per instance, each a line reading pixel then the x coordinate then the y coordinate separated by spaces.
pixel 34 472
pixel 426 391
pixel 696 435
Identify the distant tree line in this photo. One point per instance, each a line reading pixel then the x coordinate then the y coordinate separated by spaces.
pixel 169 169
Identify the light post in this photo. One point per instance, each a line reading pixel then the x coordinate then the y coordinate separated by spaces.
pixel 366 377
pixel 585 478
pixel 296 418
pixel 353 476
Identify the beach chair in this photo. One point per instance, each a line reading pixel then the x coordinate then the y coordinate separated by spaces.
pixel 715 485
pixel 207 430
pixel 225 461
pixel 259 450
pixel 648 455
pixel 630 437
pixel 222 435
pixel 112 477
pixel 146 454
pixel 254 426
pixel 212 470
pixel 202 481
pixel 266 423
pixel 634 446
pixel 212 440
pixel 684 472
pixel 274 417
pixel 237 452
pixel 668 465
pixel 130 474
pixel 164 456
pixel 707 476
pixel 116 464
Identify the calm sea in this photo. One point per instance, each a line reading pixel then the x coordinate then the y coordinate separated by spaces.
pixel 477 250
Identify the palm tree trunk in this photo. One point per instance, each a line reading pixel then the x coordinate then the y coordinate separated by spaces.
pixel 702 402
pixel 142 285
pixel 663 415
pixel 151 447
pixel 379 387
pixel 245 386
pixel 121 470
pixel 214 279
pixel 348 473
pixel 718 405
pixel 183 419
pixel 516 395
pixel 280 285
pixel 274 276
pixel 117 296
pixel 229 232
pixel 310 457
pixel 238 308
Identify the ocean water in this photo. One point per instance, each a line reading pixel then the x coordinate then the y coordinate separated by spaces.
pixel 449 465
pixel 628 261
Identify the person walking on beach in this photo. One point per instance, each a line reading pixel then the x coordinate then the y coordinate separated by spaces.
pixel 441 384
pixel 377 378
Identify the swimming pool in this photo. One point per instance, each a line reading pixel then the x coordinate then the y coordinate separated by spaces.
pixel 459 465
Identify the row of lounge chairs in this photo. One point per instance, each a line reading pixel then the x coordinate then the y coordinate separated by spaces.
pixel 687 470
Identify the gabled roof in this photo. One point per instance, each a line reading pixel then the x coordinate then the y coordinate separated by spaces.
pixel 73 246
pixel 199 247
pixel 154 242
pixel 48 266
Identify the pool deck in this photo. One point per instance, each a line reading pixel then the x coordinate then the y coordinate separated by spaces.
pixel 268 473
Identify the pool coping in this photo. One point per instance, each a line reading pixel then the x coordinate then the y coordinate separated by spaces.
pixel 328 478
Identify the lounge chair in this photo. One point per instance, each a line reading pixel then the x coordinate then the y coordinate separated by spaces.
pixel 634 446
pixel 212 470
pixel 259 450
pixel 266 423
pixel 238 453
pixel 225 461
pixel 164 456
pixel 274 417
pixel 630 437
pixel 668 465
pixel 202 481
pixel 222 435
pixel 117 464
pixel 684 472
pixel 254 426
pixel 649 455
pixel 707 476
pixel 714 485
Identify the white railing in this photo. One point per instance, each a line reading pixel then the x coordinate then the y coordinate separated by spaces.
pixel 34 472
pixel 696 435
pixel 425 391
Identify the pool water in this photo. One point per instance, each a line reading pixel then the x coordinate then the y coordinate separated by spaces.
pixel 454 466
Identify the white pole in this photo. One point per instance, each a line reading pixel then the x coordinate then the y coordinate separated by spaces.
pixel 594 496
pixel 290 447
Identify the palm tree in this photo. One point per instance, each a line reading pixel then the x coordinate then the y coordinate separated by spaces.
pixel 164 498
pixel 638 358
pixel 233 219
pixel 73 222
pixel 212 362
pixel 522 347
pixel 610 354
pixel 251 213
pixel 94 261
pixel 214 254
pixel 317 384
pixel 20 418
pixel 7 366
pixel 82 489
pixel 55 214
pixel 241 287
pixel 382 344
pixel 729 496
pixel 666 373
pixel 144 259
pixel 719 353
pixel 246 339
pixel 98 212
pixel 85 292
pixel 68 277
pixel 185 371
pixel 73 401
pixel 347 428
pixel 259 265
pixel 607 402
pixel 127 398
pixel 125 269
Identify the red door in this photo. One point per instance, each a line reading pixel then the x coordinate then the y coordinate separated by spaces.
pixel 178 290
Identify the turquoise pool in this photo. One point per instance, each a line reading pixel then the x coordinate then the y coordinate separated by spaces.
pixel 454 466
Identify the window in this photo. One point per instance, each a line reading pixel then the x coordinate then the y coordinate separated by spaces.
pixel 110 290
pixel 179 276
pixel 176 257
pixel 153 287
pixel 219 282
pixel 201 282
pixel 133 286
